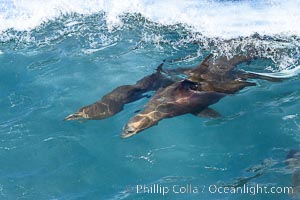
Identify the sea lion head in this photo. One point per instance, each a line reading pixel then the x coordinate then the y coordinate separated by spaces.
pixel 98 110
pixel 139 123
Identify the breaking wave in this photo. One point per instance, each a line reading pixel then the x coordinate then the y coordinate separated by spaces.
pixel 270 27
pixel 213 18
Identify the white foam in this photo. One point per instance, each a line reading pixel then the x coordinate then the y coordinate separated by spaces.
pixel 213 18
pixel 91 51
pixel 289 117
pixel 284 73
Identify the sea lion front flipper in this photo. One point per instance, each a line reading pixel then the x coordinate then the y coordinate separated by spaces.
pixel 203 65
pixel 159 68
pixel 237 59
pixel 223 64
pixel 207 113
pixel 206 62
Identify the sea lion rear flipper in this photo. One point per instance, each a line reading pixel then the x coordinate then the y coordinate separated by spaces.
pixel 207 113
pixel 252 75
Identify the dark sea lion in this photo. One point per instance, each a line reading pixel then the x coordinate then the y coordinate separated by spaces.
pixel 293 161
pixel 113 102
pixel 177 99
pixel 223 68
pixel 205 85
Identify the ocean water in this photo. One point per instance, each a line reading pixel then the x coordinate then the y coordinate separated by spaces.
pixel 57 56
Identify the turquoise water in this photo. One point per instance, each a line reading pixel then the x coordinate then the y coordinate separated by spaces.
pixel 53 69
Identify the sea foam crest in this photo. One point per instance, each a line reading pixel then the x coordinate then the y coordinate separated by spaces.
pixel 213 18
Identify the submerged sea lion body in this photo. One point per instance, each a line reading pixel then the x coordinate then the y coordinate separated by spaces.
pixel 205 85
pixel 177 99
pixel 113 102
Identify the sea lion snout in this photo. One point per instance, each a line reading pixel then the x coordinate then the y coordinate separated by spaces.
pixel 128 131
pixel 76 116
pixel 136 124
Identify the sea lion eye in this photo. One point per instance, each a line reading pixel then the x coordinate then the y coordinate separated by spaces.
pixel 190 84
pixel 194 86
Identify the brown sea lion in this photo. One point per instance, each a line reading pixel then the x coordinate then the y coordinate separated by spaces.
pixel 220 75
pixel 177 99
pixel 113 102
pixel 205 85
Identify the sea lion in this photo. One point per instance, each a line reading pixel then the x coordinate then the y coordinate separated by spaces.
pixel 205 85
pixel 220 75
pixel 113 102
pixel 177 99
